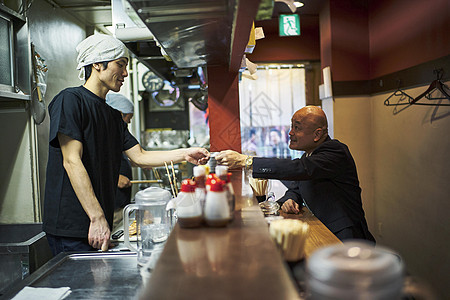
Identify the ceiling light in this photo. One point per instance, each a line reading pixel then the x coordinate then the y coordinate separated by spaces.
pixel 298 4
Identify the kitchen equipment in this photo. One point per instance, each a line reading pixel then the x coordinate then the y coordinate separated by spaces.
pixel 38 108
pixel 23 249
pixel 90 275
pixel 153 222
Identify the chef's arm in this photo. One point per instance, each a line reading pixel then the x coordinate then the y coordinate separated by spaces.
pixel 148 159
pixel 72 151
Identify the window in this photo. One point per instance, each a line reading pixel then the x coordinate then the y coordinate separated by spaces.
pixel 266 107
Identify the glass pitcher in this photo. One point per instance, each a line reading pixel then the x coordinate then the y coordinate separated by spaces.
pixel 153 222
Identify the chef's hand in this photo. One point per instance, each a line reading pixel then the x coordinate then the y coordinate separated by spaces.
pixel 290 206
pixel 124 182
pixel 197 156
pixel 99 233
pixel 230 158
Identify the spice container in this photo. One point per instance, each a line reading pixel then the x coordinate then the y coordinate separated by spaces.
pixel 217 210
pixel 222 173
pixel 200 183
pixel 188 206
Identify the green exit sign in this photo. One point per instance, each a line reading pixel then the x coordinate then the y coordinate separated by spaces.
pixel 289 25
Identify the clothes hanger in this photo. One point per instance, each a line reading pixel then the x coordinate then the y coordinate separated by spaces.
pixel 399 93
pixel 435 85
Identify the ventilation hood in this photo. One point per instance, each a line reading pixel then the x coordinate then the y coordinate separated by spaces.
pixel 193 34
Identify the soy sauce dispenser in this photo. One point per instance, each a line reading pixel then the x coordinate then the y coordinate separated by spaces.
pixel 217 209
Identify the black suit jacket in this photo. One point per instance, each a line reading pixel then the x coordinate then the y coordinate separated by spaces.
pixel 326 181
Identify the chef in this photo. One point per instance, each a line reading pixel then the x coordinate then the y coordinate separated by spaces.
pixel 123 194
pixel 86 141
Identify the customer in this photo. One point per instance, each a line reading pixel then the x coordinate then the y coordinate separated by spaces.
pixel 123 194
pixel 325 176
pixel 86 140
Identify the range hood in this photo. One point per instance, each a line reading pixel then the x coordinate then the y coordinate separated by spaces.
pixel 194 34
pixel 126 24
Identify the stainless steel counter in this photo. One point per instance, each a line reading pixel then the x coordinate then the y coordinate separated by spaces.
pixel 110 275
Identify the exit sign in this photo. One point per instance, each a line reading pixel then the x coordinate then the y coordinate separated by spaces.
pixel 289 25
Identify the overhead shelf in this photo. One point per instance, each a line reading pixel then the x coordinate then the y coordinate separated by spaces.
pixel 5 95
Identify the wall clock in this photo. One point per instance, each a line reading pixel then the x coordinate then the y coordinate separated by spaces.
pixel 152 82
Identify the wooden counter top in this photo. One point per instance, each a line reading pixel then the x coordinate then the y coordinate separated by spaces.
pixel 319 235
pixel 239 261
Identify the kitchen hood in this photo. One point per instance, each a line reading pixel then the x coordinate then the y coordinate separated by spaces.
pixel 193 34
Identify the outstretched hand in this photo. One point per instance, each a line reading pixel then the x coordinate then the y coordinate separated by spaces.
pixel 230 158
pixel 197 156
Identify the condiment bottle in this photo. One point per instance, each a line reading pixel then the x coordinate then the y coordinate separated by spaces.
pixel 209 178
pixel 200 176
pixel 222 173
pixel 233 197
pixel 212 162
pixel 217 210
pixel 189 208
pixel 200 182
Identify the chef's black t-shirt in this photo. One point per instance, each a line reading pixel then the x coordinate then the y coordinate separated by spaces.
pixel 83 116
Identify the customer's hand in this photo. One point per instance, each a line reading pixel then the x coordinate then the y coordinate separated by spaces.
pixel 230 158
pixel 291 207
pixel 197 156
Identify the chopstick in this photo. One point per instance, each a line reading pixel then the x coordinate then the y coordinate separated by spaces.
pixel 146 181
pixel 170 179
pixel 174 178
pixel 156 174
pixel 259 186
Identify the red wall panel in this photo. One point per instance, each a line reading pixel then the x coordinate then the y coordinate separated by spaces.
pixel 406 33
pixel 223 104
pixel 274 48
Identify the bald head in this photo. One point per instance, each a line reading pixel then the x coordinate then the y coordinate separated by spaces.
pixel 309 129
pixel 312 116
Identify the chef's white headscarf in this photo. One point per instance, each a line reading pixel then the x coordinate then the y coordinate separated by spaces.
pixel 99 48
pixel 120 102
